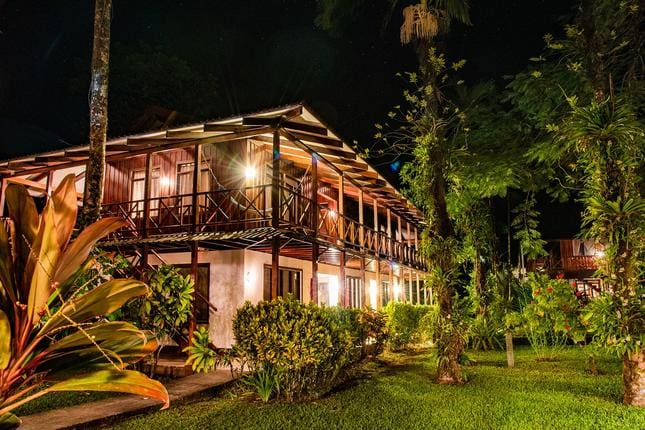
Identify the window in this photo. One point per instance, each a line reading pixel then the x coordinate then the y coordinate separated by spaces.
pixel 290 282
pixel 185 182
pixel 355 291
pixel 138 191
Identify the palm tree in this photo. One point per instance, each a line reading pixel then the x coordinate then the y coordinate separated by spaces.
pixel 93 194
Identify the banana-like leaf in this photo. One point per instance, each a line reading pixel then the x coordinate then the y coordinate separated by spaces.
pixel 79 250
pixel 22 210
pixel 5 340
pixel 98 333
pixel 65 208
pixel 42 261
pixel 7 289
pixel 126 381
pixel 102 300
pixel 9 421
pixel 122 342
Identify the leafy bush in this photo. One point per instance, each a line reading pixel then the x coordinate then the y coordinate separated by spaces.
pixel 485 333
pixel 366 327
pixel 404 324
pixel 304 343
pixel 551 319
pixel 201 356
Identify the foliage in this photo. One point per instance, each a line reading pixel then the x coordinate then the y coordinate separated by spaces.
pixel 50 331
pixel 617 325
pixel 265 381
pixel 551 319
pixel 309 348
pixel 525 226
pixel 201 357
pixel 485 333
pixel 167 306
pixel 367 328
pixel 404 326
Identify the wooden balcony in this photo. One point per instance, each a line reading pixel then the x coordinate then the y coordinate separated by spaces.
pixel 250 208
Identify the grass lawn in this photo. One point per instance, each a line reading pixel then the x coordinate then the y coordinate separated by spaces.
pixel 399 393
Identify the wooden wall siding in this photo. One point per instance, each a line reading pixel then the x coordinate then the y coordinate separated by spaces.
pixel 117 178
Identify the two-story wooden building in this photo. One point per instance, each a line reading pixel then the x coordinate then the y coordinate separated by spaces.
pixel 255 207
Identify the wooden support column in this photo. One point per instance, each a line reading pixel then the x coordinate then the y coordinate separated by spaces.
pixel 314 227
pixel 2 195
pixel 388 213
pixel 275 215
pixel 418 288
pixel 425 301
pixel 197 157
pixel 377 260
pixel 410 296
pixel 361 242
pixel 194 273
pixel 146 208
pixel 342 278
pixel 49 184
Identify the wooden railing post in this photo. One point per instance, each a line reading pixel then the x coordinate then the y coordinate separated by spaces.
pixel 275 214
pixel 314 227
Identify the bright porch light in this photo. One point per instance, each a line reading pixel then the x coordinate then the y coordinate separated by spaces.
pixel 250 172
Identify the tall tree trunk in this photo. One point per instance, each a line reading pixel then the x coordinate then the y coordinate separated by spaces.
pixel 93 194
pixel 634 379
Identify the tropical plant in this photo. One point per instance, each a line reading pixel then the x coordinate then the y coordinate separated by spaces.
pixel 552 318
pixel 52 337
pixel 167 306
pixel 404 324
pixel 264 381
pixel 201 357
pixel 485 333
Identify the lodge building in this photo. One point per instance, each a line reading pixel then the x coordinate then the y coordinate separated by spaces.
pixel 254 207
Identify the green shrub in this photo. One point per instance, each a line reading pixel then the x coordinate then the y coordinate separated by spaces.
pixel 551 319
pixel 310 349
pixel 485 333
pixel 404 326
pixel 366 327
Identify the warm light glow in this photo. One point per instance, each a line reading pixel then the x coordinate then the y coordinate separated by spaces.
pixel 600 253
pixel 397 291
pixel 332 213
pixel 333 290
pixel 373 294
pixel 164 181
pixel 250 172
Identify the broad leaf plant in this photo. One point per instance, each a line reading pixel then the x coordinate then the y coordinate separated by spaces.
pixel 53 336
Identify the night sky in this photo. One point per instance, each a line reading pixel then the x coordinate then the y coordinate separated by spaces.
pixel 209 58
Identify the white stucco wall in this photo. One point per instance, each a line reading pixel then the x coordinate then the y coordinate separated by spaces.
pixel 238 275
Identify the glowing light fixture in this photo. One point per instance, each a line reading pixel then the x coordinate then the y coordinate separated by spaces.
pixel 333 290
pixel 164 181
pixel 332 213
pixel 250 172
pixel 397 291
pixel 373 293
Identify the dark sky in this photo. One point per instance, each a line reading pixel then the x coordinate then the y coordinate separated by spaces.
pixel 260 54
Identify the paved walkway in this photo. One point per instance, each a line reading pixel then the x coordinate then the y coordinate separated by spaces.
pixel 105 410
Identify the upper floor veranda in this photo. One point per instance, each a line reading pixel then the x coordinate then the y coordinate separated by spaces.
pixel 276 171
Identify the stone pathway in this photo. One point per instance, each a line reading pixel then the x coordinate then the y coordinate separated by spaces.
pixel 94 413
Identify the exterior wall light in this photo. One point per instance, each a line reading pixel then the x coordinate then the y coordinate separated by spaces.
pixel 250 172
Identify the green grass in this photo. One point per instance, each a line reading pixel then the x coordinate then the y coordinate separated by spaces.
pixel 400 393
pixel 60 400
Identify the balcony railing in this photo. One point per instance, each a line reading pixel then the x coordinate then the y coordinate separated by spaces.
pixel 250 207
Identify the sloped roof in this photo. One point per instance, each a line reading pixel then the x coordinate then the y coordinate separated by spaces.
pixel 302 134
